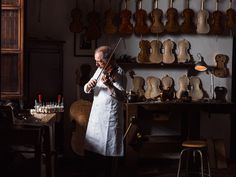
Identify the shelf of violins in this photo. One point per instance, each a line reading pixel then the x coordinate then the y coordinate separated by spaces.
pixel 202 22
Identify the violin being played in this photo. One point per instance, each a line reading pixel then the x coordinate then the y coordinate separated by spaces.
pixel 107 67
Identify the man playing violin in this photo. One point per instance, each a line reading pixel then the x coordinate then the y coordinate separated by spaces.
pixel 104 135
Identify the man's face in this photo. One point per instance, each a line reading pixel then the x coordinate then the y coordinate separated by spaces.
pixel 100 62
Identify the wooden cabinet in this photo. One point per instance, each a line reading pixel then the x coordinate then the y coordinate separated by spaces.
pixel 45 70
pixel 11 63
pixel 156 132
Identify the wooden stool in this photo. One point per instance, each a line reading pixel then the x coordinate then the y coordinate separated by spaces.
pixel 195 146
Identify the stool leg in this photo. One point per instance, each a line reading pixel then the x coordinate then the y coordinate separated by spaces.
pixel 202 167
pixel 180 161
pixel 208 166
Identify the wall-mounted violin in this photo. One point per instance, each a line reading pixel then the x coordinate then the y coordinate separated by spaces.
pixel 140 17
pixel 110 27
pixel 156 16
pixel 188 26
pixel 125 26
pixel 93 31
pixel 172 24
pixel 203 26
pixel 76 25
pixel 217 26
pixel 230 18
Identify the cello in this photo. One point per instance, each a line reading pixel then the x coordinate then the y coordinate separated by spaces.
pixel 125 26
pixel 76 25
pixel 188 26
pixel 140 16
pixel 93 31
pixel 203 26
pixel 230 18
pixel 172 24
pixel 156 16
pixel 217 26
pixel 110 27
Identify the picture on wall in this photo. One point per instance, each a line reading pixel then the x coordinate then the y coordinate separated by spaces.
pixel 82 46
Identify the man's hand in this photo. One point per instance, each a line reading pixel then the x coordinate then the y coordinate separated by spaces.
pixel 106 81
pixel 91 84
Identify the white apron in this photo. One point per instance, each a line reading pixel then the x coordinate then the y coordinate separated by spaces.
pixel 104 133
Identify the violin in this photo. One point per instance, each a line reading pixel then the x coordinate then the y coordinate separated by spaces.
pixel 156 56
pixel 217 26
pixel 183 48
pixel 110 27
pixel 172 25
pixel 93 31
pixel 125 26
pixel 203 26
pixel 230 18
pixel 138 90
pixel 221 69
pixel 143 55
pixel 76 25
pixel 156 16
pixel 168 55
pixel 109 69
pixel 188 26
pixel 196 92
pixel 140 16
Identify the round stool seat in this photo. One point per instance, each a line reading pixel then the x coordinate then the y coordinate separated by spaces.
pixel 194 144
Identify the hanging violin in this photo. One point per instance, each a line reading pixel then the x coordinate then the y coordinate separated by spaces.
pixel 188 26
pixel 203 26
pixel 93 31
pixel 230 18
pixel 172 25
pixel 156 16
pixel 217 26
pixel 140 16
pixel 76 25
pixel 125 26
pixel 110 27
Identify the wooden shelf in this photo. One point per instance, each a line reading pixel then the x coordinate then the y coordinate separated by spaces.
pixel 153 65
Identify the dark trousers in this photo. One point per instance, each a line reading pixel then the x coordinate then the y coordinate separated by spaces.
pixel 101 166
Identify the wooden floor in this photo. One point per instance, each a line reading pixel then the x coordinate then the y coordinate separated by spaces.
pixel 77 167
pixel 144 168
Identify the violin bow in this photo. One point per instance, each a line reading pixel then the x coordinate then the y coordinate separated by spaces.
pixel 109 60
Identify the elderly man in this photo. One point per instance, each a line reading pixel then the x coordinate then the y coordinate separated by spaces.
pixel 104 135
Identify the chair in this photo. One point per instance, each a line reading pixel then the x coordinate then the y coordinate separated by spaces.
pixel 198 151
pixel 14 136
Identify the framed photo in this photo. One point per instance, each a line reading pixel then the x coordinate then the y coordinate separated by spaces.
pixel 82 46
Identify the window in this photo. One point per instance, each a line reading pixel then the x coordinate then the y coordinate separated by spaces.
pixel 11 63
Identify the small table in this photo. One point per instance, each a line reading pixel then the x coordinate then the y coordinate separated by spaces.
pixel 47 122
